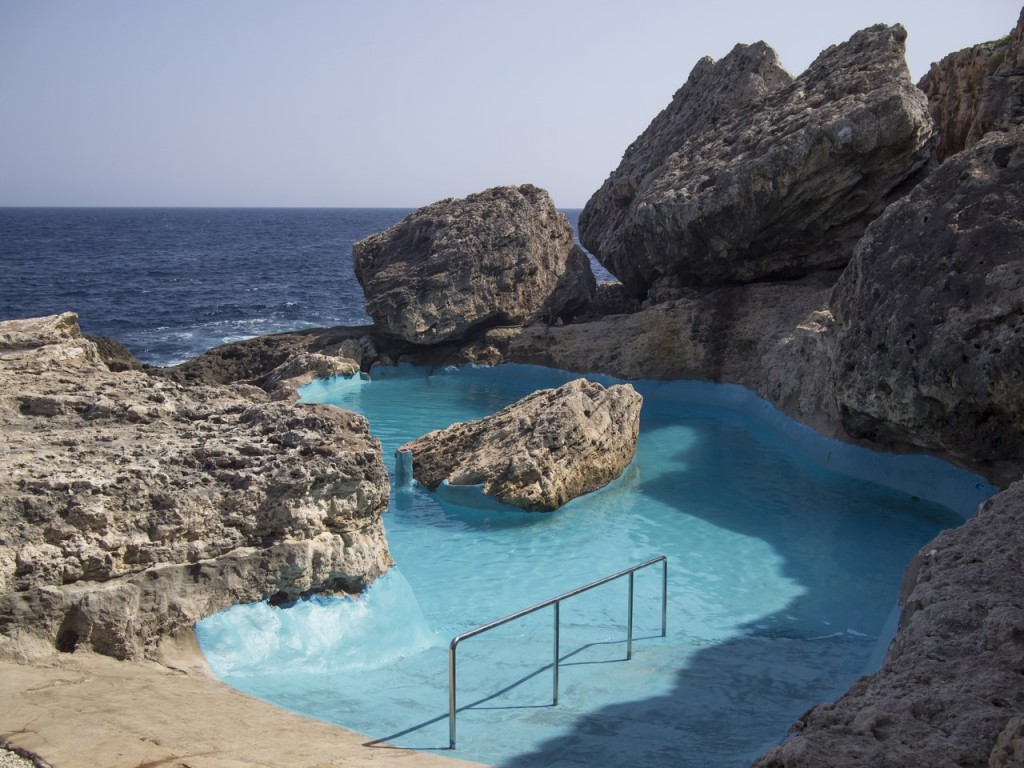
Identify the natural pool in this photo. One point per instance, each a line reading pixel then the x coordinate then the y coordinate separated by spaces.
pixel 785 554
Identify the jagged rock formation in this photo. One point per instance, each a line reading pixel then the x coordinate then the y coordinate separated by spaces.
pixel 539 452
pixel 930 313
pixel 779 187
pixel 977 90
pixel 712 92
pixel 951 688
pixel 494 258
pixel 131 507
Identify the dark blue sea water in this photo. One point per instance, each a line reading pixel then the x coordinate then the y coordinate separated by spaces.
pixel 170 283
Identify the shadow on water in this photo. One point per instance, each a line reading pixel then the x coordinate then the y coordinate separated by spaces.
pixel 734 699
pixel 564 660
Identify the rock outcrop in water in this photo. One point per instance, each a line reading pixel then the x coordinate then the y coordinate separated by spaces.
pixel 131 507
pixel 977 90
pixel 539 452
pixel 499 257
pixel 768 188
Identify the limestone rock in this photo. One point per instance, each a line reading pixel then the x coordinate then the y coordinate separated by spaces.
pixel 539 452
pixel 778 187
pixel 494 258
pixel 775 338
pixel 977 90
pixel 131 507
pixel 930 313
pixel 950 688
pixel 712 91
pixel 302 368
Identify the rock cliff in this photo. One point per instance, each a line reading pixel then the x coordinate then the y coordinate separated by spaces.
pixel 494 258
pixel 539 452
pixel 977 90
pixel 930 313
pixel 131 507
pixel 771 187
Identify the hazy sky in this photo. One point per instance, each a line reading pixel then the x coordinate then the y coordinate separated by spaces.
pixel 380 102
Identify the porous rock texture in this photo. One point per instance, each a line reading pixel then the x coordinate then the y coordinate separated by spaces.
pixel 539 452
pixel 712 91
pixel 498 257
pixel 774 338
pixel 776 187
pixel 131 507
pixel 951 688
pixel 977 90
pixel 930 313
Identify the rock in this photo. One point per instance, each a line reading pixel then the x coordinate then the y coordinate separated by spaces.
pixel 540 452
pixel 115 355
pixel 777 187
pixel 499 257
pixel 1009 749
pixel 302 368
pixel 712 92
pixel 131 506
pixel 774 338
pixel 930 314
pixel 977 90
pixel 950 689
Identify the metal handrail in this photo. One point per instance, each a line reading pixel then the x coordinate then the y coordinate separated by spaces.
pixel 555 601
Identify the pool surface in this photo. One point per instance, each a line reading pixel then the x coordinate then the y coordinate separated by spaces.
pixel 784 563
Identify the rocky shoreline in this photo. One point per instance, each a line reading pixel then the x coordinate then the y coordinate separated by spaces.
pixel 846 244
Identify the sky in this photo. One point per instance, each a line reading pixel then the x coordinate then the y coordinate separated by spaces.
pixel 380 103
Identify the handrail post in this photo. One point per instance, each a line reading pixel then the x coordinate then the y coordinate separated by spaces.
pixel 554 666
pixel 664 597
pixel 629 621
pixel 451 695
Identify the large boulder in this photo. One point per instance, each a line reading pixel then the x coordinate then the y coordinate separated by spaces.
pixel 713 90
pixel 977 90
pixel 131 506
pixel 950 690
pixel 930 313
pixel 779 186
pixel 539 452
pixel 499 257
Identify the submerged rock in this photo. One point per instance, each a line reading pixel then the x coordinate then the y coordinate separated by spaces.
pixel 776 187
pixel 539 452
pixel 977 90
pixel 499 257
pixel 131 506
pixel 930 313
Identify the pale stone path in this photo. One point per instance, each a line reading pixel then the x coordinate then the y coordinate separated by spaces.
pixel 83 710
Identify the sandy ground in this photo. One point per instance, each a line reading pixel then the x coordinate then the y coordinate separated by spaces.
pixel 83 710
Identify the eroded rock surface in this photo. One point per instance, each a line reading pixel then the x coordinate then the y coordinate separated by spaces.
pixel 539 452
pixel 951 688
pixel 131 506
pixel 775 338
pixel 930 313
pixel 779 187
pixel 977 90
pixel 713 90
pixel 494 258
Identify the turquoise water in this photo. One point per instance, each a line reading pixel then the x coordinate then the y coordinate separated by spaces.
pixel 784 566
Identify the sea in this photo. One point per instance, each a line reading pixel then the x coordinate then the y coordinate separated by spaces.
pixel 171 283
